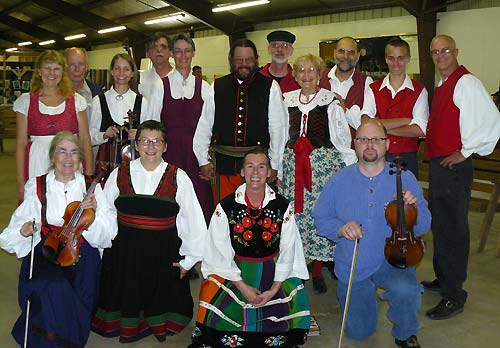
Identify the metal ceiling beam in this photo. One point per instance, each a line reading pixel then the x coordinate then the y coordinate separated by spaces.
pixel 28 28
pixel 412 6
pixel 90 20
pixel 226 22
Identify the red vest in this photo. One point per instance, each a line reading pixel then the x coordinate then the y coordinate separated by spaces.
pixel 443 129
pixel 44 124
pixel 399 107
pixel 287 83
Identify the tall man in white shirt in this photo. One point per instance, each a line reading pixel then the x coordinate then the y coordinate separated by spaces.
pixel 244 110
pixel 463 120
pixel 150 85
pixel 401 105
pixel 348 83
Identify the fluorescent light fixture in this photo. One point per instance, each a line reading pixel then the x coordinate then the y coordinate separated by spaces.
pixel 11 49
pixel 110 30
pixel 25 43
pixel 172 17
pixel 48 42
pixel 74 37
pixel 240 5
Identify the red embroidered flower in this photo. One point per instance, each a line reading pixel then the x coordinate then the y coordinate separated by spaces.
pixel 238 228
pixel 246 221
pixel 274 228
pixel 266 236
pixel 247 235
pixel 267 222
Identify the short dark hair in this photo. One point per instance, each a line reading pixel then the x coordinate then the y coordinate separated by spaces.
pixel 398 42
pixel 157 36
pixel 196 67
pixel 184 38
pixel 243 43
pixel 259 150
pixel 151 125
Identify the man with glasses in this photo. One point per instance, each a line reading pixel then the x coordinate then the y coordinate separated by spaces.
pixel 243 110
pixel 150 86
pixel 351 207
pixel 346 82
pixel 401 105
pixel 280 48
pixel 463 120
pixel 182 103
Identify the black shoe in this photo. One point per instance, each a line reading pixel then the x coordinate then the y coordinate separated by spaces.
pixel 319 285
pixel 445 309
pixel 432 286
pixel 411 342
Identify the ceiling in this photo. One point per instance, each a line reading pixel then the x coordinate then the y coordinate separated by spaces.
pixel 41 20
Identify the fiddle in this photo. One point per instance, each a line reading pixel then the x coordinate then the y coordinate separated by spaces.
pixel 128 151
pixel 402 249
pixel 63 246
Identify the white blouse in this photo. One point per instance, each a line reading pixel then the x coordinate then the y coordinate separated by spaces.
pixel 22 105
pixel 59 195
pixel 184 88
pixel 219 254
pixel 190 222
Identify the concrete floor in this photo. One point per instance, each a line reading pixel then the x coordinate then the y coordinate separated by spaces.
pixel 478 326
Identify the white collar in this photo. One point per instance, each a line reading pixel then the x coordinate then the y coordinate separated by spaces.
pixel 324 97
pixel 407 83
pixel 332 75
pixel 239 196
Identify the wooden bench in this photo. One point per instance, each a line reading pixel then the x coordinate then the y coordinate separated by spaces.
pixel 7 126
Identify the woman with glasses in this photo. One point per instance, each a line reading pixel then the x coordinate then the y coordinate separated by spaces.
pixel 110 113
pixel 62 299
pixel 161 235
pixel 50 106
pixel 318 145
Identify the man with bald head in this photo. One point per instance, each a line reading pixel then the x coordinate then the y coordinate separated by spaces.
pixel 463 120
pixel 346 81
pixel 350 207
pixel 78 66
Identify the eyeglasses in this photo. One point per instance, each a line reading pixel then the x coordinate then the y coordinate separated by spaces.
pixel 283 45
pixel 249 60
pixel 375 140
pixel 444 50
pixel 155 142
pixel 346 52
pixel 303 69
pixel 158 47
pixel 64 153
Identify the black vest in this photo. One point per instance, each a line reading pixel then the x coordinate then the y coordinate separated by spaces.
pixel 318 132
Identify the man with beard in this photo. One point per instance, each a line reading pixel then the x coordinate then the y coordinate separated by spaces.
pixel 242 111
pixel 401 105
pixel 351 207
pixel 280 48
pixel 348 83
pixel 151 86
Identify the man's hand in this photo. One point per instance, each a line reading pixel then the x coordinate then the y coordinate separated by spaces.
pixel 351 230
pixel 183 271
pixel 207 171
pixel 250 293
pixel 408 197
pixel 273 176
pixel 341 100
pixel 454 158
pixel 27 229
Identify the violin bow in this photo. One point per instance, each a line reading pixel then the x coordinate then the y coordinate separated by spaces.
pixel 349 289
pixel 30 276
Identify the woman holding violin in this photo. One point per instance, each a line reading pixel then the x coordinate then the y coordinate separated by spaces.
pixel 160 236
pixel 352 207
pixel 110 126
pixel 62 298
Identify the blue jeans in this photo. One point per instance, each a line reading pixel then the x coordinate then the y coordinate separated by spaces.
pixel 403 292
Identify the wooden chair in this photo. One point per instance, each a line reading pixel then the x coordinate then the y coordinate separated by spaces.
pixel 488 217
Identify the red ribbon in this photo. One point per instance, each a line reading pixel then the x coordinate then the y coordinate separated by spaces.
pixel 303 171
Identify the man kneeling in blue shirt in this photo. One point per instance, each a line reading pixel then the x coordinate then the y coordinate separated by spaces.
pixel 352 206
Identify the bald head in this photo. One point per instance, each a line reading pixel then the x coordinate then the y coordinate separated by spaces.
pixel 372 124
pixel 348 40
pixel 444 54
pixel 448 40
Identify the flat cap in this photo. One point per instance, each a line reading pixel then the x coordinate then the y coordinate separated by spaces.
pixel 281 35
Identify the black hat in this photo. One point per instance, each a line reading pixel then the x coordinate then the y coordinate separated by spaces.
pixel 281 35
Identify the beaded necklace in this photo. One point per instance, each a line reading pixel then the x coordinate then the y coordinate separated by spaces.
pixel 305 103
pixel 249 205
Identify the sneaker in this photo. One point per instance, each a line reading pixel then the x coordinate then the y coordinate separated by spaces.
pixel 411 342
pixel 445 309
pixel 432 286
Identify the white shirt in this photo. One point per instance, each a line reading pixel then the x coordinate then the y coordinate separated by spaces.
pixel 420 111
pixel 277 114
pixel 479 118
pixel 353 114
pixel 340 135
pixel 191 226
pixel 22 105
pixel 219 254
pixel 184 88
pixel 118 108
pixel 59 195
pixel 151 87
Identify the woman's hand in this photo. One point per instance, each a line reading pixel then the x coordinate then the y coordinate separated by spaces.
pixel 111 132
pixel 89 202
pixel 131 134
pixel 27 229
pixel 250 293
pixel 267 295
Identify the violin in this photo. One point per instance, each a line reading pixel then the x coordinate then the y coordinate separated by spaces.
pixel 62 247
pixel 128 151
pixel 402 249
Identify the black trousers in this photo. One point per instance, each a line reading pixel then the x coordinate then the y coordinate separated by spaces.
pixel 449 196
pixel 411 159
